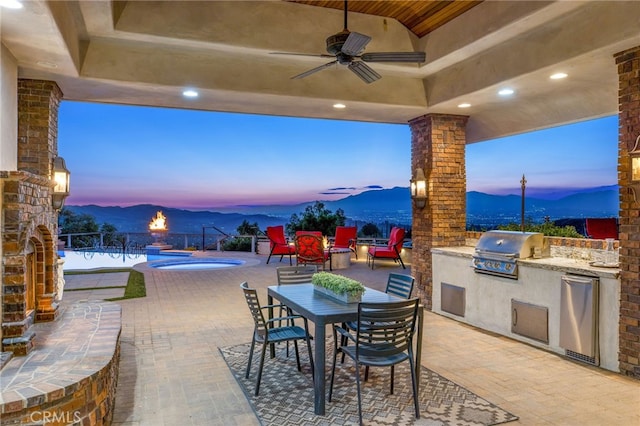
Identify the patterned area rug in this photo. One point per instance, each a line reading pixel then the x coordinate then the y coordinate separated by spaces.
pixel 286 395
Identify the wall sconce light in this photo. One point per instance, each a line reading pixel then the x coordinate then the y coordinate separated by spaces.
pixel 634 169
pixel 419 189
pixel 61 179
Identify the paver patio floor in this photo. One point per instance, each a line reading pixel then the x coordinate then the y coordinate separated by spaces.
pixel 171 372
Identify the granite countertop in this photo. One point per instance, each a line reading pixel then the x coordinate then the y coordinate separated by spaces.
pixel 563 264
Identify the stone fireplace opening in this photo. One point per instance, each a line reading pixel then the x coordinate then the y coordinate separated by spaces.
pixel 30 279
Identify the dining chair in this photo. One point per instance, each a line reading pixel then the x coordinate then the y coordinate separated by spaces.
pixel 265 332
pixel 299 274
pixel 310 250
pixel 399 285
pixel 278 243
pixel 383 338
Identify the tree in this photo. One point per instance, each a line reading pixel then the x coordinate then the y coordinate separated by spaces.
pixel 109 235
pixel 246 228
pixel 317 218
pixel 370 230
pixel 72 223
pixel 242 243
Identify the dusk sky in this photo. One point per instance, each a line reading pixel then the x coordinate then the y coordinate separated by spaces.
pixel 125 155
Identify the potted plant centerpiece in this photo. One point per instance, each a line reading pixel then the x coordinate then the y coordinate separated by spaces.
pixel 338 287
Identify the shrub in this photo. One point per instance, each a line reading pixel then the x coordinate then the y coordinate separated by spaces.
pixel 547 228
pixel 338 284
pixel 237 244
pixel 316 218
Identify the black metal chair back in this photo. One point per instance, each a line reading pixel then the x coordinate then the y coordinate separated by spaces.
pixel 295 274
pixel 251 295
pixel 266 332
pixel 383 338
pixel 384 330
pixel 400 285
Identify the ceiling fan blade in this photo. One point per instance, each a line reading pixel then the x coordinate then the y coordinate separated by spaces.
pixel 364 71
pixel 355 43
pixel 311 55
pixel 394 57
pixel 314 70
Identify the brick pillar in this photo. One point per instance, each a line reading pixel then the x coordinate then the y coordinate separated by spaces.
pixel 38 103
pixel 438 146
pixel 629 124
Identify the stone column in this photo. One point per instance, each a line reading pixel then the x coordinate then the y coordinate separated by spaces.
pixel 438 147
pixel 629 124
pixel 29 218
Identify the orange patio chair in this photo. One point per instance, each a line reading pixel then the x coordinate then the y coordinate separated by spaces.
pixel 346 237
pixel 391 250
pixel 279 244
pixel 310 250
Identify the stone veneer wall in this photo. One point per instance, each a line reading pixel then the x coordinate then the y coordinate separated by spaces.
pixel 628 63
pixel 438 147
pixel 28 217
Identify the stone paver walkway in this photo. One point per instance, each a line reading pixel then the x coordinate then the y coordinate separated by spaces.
pixel 172 373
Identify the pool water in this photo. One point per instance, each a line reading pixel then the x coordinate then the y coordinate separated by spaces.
pixel 195 264
pixel 78 260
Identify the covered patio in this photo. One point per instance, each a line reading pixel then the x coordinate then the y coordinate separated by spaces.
pixel 149 53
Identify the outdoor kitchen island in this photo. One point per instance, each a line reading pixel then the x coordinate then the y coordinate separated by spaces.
pixel 531 306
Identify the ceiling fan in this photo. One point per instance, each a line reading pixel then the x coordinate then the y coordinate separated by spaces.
pixel 347 47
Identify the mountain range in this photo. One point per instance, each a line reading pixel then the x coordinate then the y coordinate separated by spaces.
pixel 376 206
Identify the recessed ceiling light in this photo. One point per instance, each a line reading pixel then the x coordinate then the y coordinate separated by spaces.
pixel 506 92
pixel 558 76
pixel 190 93
pixel 47 64
pixel 339 106
pixel 11 4
pixel 464 105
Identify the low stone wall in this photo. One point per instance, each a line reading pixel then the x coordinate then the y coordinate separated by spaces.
pixel 71 375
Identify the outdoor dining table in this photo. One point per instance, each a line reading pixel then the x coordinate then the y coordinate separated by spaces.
pixel 322 310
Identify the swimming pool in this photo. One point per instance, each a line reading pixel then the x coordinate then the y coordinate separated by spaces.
pixel 191 264
pixel 79 260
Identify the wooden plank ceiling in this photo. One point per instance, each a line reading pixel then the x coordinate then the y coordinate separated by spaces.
pixel 419 16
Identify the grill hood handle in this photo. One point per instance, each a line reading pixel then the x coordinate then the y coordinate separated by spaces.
pixel 496 253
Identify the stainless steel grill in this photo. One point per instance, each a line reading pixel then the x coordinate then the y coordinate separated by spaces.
pixel 497 252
